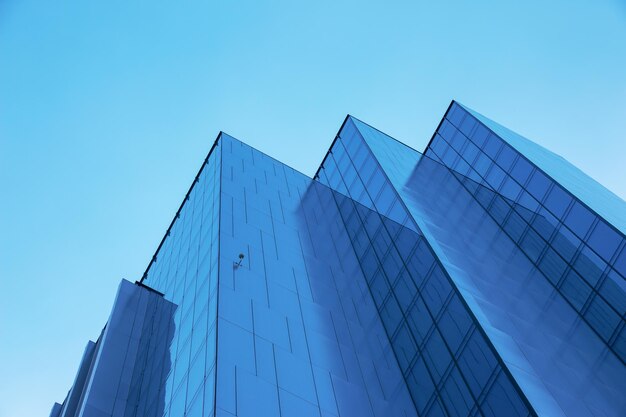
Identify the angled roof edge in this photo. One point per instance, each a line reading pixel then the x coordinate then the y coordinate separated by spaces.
pixel 586 189
pixel 359 121
pixel 176 216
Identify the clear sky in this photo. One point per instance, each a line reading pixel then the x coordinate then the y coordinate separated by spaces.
pixel 107 110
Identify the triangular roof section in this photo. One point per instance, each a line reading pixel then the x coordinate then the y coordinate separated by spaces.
pixel 598 198
pixel 396 159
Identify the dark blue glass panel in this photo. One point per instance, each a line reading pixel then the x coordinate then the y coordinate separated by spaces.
pixel 502 400
pixel 492 146
pixel 613 290
pixel 565 243
pixel 482 165
pixel 480 136
pixel 560 257
pixel 455 114
pixel 456 395
pixel 532 244
pixel 602 317
pixel 604 240
pixel 455 323
pixel 437 357
pixel 477 362
pixel 521 170
pixel 552 265
pixel 470 152
pixel 579 219
pixel 495 176
pixel 420 384
pixel 467 126
pixel 538 185
pixel 620 342
pixel 545 224
pixel 557 201
pixel 510 189
pixel 506 158
pixel 589 266
pixel 620 262
pixel 576 290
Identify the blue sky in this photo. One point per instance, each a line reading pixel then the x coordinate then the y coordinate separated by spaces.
pixel 107 110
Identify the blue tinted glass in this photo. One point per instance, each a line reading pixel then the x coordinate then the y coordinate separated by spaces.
pixel 388 286
pixel 506 158
pixel 458 141
pixel 515 226
pixel 492 146
pixel 620 262
pixel 528 205
pixel 480 135
pixel 456 114
pixel 555 246
pixel 510 189
pixel 565 243
pixel 575 289
pixel 533 244
pixel 557 201
pixel 470 152
pixel 589 266
pixel 437 356
pixel 477 362
pixel 552 265
pixel 503 400
pixel 420 385
pixel 604 240
pixel 602 318
pixel 538 185
pixel 521 170
pixel 613 290
pixel 447 129
pixel 495 176
pixel 467 126
pixel 579 219
pixel 456 395
pixel 482 164
pixel 455 323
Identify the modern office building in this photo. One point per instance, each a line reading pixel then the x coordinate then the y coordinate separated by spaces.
pixel 482 277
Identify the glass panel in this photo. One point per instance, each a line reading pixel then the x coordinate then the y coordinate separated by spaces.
pixel 604 240
pixel 557 201
pixel 579 219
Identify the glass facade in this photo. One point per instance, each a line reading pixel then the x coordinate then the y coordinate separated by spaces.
pixel 578 251
pixel 298 334
pixel 448 363
pixel 465 281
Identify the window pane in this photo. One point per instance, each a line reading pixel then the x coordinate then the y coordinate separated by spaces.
pixel 604 240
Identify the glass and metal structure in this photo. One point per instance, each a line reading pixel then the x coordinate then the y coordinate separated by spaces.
pixel 482 277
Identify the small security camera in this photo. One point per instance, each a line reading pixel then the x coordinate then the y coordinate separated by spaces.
pixel 238 264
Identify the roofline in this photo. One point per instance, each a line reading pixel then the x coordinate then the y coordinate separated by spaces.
pixel 440 123
pixel 345 120
pixel 386 134
pixel 167 233
pixel 316 175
